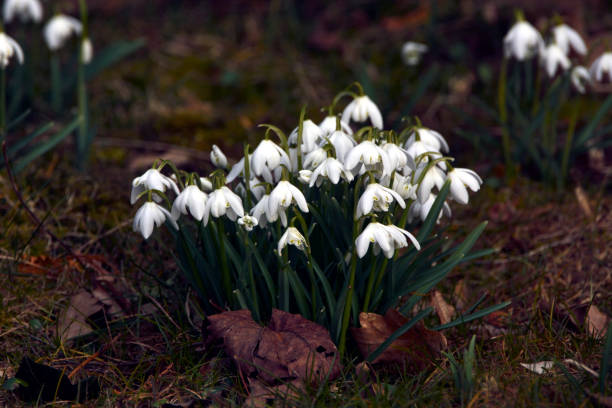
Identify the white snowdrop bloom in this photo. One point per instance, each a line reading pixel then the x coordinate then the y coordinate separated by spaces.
pixel 206 184
pixel 433 177
pixel 459 179
pixel 399 157
pixel 284 195
pixel 247 222
pixel 383 237
pixel 268 155
pixel 311 135
pixel 412 52
pixel 238 170
pixel 191 199
pixel 152 179
pixel 342 143
pixel 568 39
pixel 328 126
pixel 256 187
pixel 580 78
pixel 371 155
pixel 260 209
pixel 223 201
pixel 332 169
pixel 26 10
pixel 553 58
pixel 314 158
pixel 151 215
pixel 602 66
pixel 360 109
pixel 421 210
pixel 217 157
pixel 522 42
pixel 293 160
pixel 292 237
pixel 403 186
pixel 428 137
pixel 86 51
pixel 377 198
pixel 8 49
pixel 59 29
pixel 304 176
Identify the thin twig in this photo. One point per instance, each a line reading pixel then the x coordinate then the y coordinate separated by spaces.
pixel 92 357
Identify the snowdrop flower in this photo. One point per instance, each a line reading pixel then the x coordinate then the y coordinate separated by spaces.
pixel 248 222
pixel 580 77
pixel 333 170
pixel 399 157
pixel 360 109
pixel 552 58
pixel 292 237
pixel 328 126
pixel 422 210
pixel 304 176
pixel 152 179
pixel 221 202
pixel 314 158
pixel 59 29
pixel 150 215
pixel 86 51
pixel 371 155
pixel 8 49
pixel 433 177
pixel 217 157
pixel 26 10
pixel 567 38
pixel 384 237
pixel 268 155
pixel 260 210
pixel 428 137
pixel 238 169
pixel 311 134
pixel 522 42
pixel 192 199
pixel 403 186
pixel 206 184
pixel 377 198
pixel 283 195
pixel 602 66
pixel 459 179
pixel 412 52
pixel 342 143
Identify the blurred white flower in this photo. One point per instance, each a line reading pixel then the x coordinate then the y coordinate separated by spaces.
pixel 429 137
pixel 384 237
pixel 206 184
pixel 260 211
pixel 412 52
pixel 59 29
pixel 377 198
pixel 248 222
pixel 217 157
pixel 580 78
pixel 27 10
pixel 151 215
pixel 553 58
pixel 434 176
pixel 333 170
pixel 238 170
pixel 311 134
pixel 191 199
pixel 328 126
pixel 152 179
pixel 403 186
pixel 602 66
pixel 8 49
pixel 360 109
pixel 459 179
pixel 422 210
pixel 522 42
pixel 292 237
pixel 284 195
pixel 268 156
pixel 304 176
pixel 567 38
pixel 223 201
pixel 399 157
pixel 371 155
pixel 342 143
pixel 86 50
pixel 314 158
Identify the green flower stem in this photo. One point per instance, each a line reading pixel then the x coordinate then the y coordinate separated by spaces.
pixel 56 83
pixel 568 146
pixel 82 134
pixel 226 278
pixel 2 103
pixel 347 305
pixel 503 115
pixel 249 259
pixel 369 287
pixel 313 283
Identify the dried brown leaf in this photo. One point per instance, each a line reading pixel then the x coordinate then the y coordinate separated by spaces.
pixel 73 320
pixel 596 322
pixel 443 309
pixel 583 202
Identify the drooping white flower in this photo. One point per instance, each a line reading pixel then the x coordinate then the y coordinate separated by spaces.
pixel 59 29
pixel 433 176
pixel 311 135
pixel 377 198
pixel 151 215
pixel 260 211
pixel 522 42
pixel 217 157
pixel 283 196
pixel 412 52
pixel 580 78
pixel 268 156
pixel 342 143
pixel 223 201
pixel 384 237
pixel 292 237
pixel 419 148
pixel 399 157
pixel 314 158
pixel 247 222
pixel 8 49
pixel 86 50
pixel 553 58
pixel 328 126
pixel 206 184
pixel 304 176
pixel 27 10
pixel 191 199
pixel 459 179
pixel 332 169
pixel 567 38
pixel 371 155
pixel 602 66
pixel 238 169
pixel 422 210
pixel 152 179
pixel 403 186
pixel 428 137
pixel 360 109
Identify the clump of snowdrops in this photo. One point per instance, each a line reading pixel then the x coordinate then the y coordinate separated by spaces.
pixel 332 220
